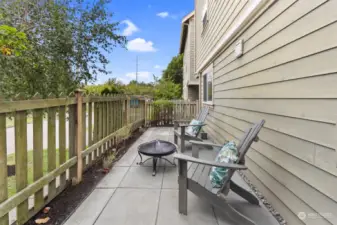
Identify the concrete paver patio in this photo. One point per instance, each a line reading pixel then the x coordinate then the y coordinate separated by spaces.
pixel 130 195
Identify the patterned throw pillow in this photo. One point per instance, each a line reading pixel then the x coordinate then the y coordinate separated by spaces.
pixel 227 154
pixel 193 130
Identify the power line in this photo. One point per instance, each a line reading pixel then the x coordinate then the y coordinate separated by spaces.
pixel 137 69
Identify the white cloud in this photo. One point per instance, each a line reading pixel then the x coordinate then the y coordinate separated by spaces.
pixel 123 80
pixel 163 14
pixel 157 67
pixel 130 28
pixel 141 45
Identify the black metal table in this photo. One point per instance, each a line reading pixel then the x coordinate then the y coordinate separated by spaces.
pixel 156 149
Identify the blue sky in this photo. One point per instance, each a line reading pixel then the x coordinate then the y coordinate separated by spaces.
pixel 153 31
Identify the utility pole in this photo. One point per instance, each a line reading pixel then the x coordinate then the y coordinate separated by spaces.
pixel 137 69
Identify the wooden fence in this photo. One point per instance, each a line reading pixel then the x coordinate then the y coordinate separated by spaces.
pixel 99 122
pixel 163 115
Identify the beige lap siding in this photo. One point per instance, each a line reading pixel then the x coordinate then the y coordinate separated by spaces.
pixel 287 76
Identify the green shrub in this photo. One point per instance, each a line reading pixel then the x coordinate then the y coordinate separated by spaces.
pixel 162 103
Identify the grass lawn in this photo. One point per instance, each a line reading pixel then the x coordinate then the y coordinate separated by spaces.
pixel 11 161
pixel 10 121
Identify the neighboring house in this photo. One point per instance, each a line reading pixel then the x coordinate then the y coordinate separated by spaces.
pixel 187 47
pixel 275 60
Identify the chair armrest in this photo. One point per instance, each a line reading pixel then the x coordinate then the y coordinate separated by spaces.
pixel 205 144
pixel 187 125
pixel 209 163
pixel 181 121
pixel 178 123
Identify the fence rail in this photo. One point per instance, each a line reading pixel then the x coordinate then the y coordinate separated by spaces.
pixel 67 135
pixel 86 126
pixel 165 114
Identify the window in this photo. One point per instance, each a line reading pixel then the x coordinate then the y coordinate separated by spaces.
pixel 204 19
pixel 207 78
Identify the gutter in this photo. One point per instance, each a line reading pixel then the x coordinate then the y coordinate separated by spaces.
pixel 249 17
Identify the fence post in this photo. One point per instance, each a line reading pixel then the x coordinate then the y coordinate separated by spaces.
pixel 145 113
pixel 3 166
pixel 79 128
pixel 127 111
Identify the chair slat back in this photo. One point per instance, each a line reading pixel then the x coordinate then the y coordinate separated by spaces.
pixel 203 114
pixel 245 143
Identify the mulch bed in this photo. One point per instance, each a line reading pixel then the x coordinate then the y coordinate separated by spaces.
pixel 64 205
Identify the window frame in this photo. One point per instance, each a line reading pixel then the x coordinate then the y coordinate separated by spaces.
pixel 204 16
pixel 206 74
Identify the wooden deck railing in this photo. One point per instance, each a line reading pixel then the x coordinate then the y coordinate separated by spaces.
pixel 99 122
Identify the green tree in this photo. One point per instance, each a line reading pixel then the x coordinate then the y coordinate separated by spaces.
pixel 174 70
pixel 68 42
pixel 12 42
pixel 166 90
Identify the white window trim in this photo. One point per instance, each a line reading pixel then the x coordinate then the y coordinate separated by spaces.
pixel 204 73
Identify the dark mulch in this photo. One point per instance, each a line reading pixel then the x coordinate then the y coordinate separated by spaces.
pixel 67 202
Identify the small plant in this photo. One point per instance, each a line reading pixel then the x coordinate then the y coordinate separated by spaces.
pixel 159 104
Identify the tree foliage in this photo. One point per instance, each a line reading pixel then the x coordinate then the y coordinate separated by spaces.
pixel 67 40
pixel 174 70
pixel 12 42
pixel 160 89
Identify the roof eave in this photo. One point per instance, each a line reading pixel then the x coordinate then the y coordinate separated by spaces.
pixel 184 29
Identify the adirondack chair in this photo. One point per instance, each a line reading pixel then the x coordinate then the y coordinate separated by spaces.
pixel 196 177
pixel 185 123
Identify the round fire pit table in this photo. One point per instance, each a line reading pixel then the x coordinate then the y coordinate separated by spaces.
pixel 156 149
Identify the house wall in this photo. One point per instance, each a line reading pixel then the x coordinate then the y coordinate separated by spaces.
pixel 189 63
pixel 187 67
pixel 193 92
pixel 191 34
pixel 287 76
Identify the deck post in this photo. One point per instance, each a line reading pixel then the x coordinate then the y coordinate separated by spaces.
pixel 182 139
pixel 182 179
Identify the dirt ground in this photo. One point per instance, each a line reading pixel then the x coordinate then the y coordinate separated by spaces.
pixel 67 202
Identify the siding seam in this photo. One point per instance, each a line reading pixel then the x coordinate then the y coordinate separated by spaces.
pixel 275 196
pixel 280 183
pixel 282 30
pixel 216 38
pixel 274 50
pixel 282 115
pixel 279 131
pixel 217 19
pixel 259 30
pixel 275 82
pixel 274 66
